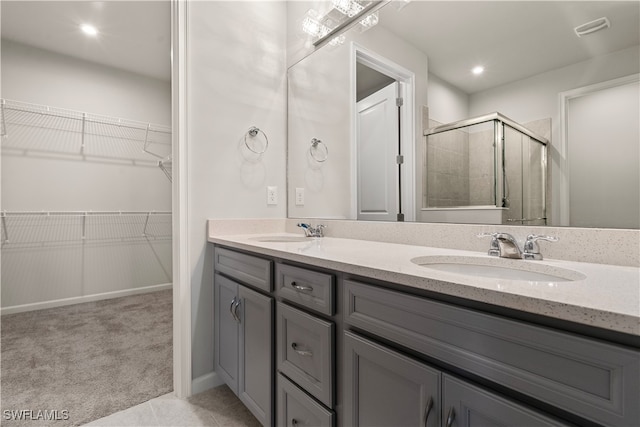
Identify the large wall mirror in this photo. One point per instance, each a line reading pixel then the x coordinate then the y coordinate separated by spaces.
pixel 468 112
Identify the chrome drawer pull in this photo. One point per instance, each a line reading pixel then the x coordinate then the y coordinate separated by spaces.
pixel 294 422
pixel 233 301
pixel 235 311
pixel 303 353
pixel 451 417
pixel 428 410
pixel 301 288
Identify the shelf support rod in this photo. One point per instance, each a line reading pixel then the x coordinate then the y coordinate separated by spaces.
pixel 4 122
pixel 4 226
pixel 84 119
pixel 84 225
pixel 144 232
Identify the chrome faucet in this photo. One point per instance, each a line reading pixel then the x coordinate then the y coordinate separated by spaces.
pixel 508 246
pixel 504 245
pixel 311 231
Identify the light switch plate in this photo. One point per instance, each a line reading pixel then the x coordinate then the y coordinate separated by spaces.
pixel 299 196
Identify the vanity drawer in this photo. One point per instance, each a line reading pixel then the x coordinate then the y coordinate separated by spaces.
pixel 305 351
pixel 248 269
pixel 296 408
pixel 308 288
pixel 586 377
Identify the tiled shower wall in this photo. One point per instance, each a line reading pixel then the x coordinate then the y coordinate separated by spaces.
pixel 447 166
pixel 460 170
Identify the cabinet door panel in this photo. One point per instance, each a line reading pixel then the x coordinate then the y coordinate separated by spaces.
pixel 226 331
pixel 385 388
pixel 465 405
pixel 255 387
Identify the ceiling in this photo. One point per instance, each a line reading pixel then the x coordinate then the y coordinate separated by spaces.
pixel 133 35
pixel 511 39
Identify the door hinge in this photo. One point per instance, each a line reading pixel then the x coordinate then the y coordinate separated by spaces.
pixel 400 159
pixel 399 102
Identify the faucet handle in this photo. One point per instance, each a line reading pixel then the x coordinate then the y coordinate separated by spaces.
pixel 494 247
pixel 320 230
pixel 531 247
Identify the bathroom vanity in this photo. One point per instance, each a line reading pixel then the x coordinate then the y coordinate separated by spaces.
pixel 342 332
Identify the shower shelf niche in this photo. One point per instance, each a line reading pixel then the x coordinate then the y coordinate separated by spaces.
pixel 25 229
pixel 55 131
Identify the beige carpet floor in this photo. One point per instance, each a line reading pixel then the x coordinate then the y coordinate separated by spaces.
pixel 90 359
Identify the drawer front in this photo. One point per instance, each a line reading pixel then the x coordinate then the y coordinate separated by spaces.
pixel 296 408
pixel 247 269
pixel 589 378
pixel 308 288
pixel 305 351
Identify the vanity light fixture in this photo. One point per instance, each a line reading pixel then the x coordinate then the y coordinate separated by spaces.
pixel 356 11
pixel 89 30
pixel 370 21
pixel 311 24
pixel 477 70
pixel 348 7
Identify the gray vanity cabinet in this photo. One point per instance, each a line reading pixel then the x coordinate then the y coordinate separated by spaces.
pixel 226 331
pixel 243 331
pixel 386 388
pixel 466 405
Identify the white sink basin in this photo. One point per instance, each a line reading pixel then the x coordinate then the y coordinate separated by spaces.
pixel 282 239
pixel 499 268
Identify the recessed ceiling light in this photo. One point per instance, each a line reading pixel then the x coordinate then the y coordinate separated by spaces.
pixel 477 70
pixel 89 29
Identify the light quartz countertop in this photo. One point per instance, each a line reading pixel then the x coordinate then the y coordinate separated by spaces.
pixel 607 297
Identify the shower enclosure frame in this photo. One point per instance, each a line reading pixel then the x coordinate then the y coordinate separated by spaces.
pixel 499 121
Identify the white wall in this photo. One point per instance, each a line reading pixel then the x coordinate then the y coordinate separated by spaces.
pixel 538 97
pixel 447 103
pixel 46 180
pixel 236 79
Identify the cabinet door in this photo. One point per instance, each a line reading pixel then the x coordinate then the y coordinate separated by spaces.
pixel 255 387
pixel 465 405
pixel 226 330
pixel 385 388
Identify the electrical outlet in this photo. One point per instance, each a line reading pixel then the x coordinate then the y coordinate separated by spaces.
pixel 299 196
pixel 272 195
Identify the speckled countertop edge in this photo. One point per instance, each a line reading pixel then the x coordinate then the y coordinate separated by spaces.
pixel 609 297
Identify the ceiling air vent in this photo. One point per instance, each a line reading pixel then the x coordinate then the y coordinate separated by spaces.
pixel 592 27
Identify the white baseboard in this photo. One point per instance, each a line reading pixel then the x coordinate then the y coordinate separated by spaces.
pixel 205 382
pixel 84 298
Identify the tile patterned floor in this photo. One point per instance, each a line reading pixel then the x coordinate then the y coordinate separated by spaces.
pixel 217 407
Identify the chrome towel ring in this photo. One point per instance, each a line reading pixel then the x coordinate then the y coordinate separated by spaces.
pixel 318 150
pixel 253 133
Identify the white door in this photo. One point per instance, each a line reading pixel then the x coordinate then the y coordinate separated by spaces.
pixel 377 149
pixel 603 152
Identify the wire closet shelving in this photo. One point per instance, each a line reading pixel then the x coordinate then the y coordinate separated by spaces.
pixel 45 129
pixel 55 227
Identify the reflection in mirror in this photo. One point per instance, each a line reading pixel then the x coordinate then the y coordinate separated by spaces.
pixel 542 80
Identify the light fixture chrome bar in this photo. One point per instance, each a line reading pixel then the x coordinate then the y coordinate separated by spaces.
pixel 368 9
pixel 486 118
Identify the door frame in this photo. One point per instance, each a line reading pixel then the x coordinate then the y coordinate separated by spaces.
pixel 180 202
pixel 563 175
pixel 406 78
